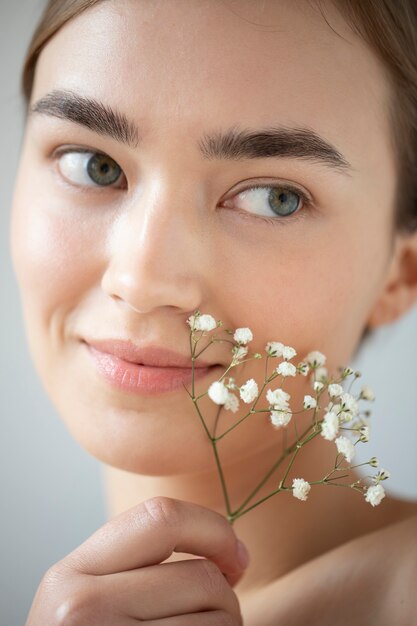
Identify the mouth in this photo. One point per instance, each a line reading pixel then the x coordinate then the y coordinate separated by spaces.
pixel 144 378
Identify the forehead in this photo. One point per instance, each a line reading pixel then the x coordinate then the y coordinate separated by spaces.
pixel 186 64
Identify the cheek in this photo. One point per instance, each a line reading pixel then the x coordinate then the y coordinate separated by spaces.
pixel 55 259
pixel 314 296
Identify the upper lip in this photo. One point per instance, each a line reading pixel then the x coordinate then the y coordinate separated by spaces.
pixel 150 354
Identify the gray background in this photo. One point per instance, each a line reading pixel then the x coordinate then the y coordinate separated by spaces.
pixel 51 492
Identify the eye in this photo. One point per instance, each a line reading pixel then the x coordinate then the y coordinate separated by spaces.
pixel 271 202
pixel 86 168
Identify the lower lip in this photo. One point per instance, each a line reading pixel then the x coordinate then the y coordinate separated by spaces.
pixel 141 378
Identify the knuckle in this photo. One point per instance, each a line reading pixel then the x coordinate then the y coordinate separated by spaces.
pixel 69 600
pixel 163 511
pixel 81 607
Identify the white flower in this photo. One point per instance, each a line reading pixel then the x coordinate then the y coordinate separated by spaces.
pixel 375 494
pixel 202 322
pixel 373 462
pixel 243 335
pixel 367 394
pixel 330 426
pixel 315 359
pixel 320 374
pixel 232 402
pixel 349 402
pixel 274 348
pixel 335 390
pixel 218 392
pixel 280 417
pixel 347 372
pixel 300 488
pixel 288 353
pixel 318 386
pixel 278 397
pixel 239 352
pixel 364 433
pixel 382 475
pixel 309 402
pixel 249 391
pixel 303 368
pixel 286 369
pixel 345 447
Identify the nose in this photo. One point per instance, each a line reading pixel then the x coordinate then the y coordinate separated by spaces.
pixel 156 252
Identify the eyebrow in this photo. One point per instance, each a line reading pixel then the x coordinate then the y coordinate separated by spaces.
pixel 300 142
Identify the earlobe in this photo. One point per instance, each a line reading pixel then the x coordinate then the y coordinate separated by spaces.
pixel 400 290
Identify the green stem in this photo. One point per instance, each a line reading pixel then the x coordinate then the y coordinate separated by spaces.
pixel 222 480
pixel 271 471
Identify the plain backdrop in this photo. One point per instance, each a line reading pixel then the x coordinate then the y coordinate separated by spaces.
pixel 52 497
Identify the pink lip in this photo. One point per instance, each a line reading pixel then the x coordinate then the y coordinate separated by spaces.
pixel 149 370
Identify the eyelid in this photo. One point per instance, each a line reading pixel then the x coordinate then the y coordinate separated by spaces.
pixel 267 182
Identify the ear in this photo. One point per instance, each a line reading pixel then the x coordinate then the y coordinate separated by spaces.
pixel 399 293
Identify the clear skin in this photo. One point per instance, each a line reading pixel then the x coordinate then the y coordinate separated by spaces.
pixel 135 262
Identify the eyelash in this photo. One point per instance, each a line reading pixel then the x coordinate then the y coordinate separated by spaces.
pixel 294 217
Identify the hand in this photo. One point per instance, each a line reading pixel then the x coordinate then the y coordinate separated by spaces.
pixel 117 578
pixel 368 581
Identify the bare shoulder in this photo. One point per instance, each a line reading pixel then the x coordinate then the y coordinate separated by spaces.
pixel 368 580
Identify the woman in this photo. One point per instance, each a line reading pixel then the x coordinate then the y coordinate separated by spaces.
pixel 254 161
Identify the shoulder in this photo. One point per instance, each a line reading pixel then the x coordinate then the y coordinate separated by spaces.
pixel 369 579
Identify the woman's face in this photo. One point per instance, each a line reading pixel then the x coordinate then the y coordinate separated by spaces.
pixel 177 229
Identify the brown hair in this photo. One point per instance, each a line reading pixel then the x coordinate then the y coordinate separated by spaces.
pixel 388 26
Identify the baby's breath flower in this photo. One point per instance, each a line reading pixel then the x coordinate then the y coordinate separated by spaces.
pixel 320 374
pixel 349 402
pixel 243 335
pixel 202 322
pixel 382 475
pixel 231 384
pixel 303 368
pixel 318 386
pixel 239 352
pixel 249 391
pixel 309 402
pixel 288 353
pixel 375 494
pixel 232 402
pixel 335 390
pixel 373 462
pixel 300 488
pixel 364 433
pixel 278 397
pixel 345 447
pixel 366 394
pixel 280 417
pixel 347 371
pixel 286 369
pixel 218 392
pixel 274 348
pixel 315 359
pixel 330 426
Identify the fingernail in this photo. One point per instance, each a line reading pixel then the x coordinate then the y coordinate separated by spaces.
pixel 242 554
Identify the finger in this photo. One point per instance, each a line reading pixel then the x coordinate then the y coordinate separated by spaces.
pixel 209 618
pixel 168 589
pixel 151 531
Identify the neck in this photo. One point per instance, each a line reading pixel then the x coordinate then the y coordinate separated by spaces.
pixel 281 533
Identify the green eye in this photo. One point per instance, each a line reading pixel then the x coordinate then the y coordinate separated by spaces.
pixel 283 201
pixel 103 170
pixel 85 168
pixel 271 202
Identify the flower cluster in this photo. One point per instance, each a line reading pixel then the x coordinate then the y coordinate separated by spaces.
pixel 342 409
